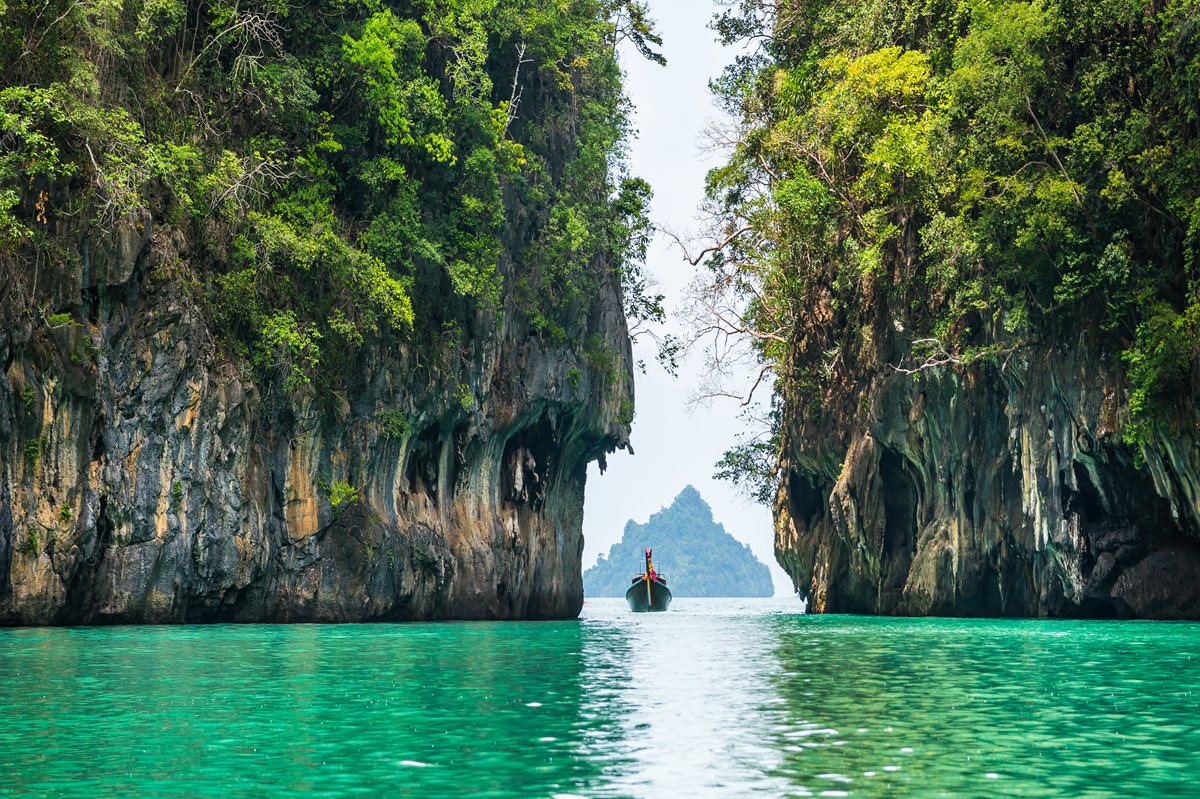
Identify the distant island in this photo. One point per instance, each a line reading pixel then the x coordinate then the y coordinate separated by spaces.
pixel 691 549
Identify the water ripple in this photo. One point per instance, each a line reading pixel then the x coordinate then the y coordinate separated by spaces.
pixel 718 698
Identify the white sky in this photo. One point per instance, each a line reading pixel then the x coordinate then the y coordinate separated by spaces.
pixel 675 445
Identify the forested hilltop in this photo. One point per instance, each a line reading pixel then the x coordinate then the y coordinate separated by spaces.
pixel 691 549
pixel 963 237
pixel 279 280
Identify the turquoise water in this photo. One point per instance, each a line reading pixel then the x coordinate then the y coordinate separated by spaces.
pixel 715 698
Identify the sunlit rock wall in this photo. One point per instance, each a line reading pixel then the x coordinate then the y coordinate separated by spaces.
pixel 1001 489
pixel 145 479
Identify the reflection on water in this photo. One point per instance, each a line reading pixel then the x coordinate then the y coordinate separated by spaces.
pixel 714 698
pixel 696 717
pixel 1002 708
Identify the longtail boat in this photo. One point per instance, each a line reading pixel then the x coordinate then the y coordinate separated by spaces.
pixel 649 592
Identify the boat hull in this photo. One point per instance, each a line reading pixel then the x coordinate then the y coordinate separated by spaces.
pixel 657 599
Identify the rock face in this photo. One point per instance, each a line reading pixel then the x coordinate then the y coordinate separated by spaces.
pixel 690 548
pixel 145 479
pixel 999 490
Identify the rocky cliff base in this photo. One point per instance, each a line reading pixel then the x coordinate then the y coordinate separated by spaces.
pixel 145 478
pixel 992 490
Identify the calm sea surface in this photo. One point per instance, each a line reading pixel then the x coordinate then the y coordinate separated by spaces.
pixel 715 698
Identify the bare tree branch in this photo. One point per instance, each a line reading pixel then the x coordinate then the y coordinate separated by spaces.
pixel 514 97
pixel 709 250
pixel 939 357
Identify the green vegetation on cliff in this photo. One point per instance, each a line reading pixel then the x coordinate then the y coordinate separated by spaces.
pixel 990 174
pixel 691 549
pixel 343 173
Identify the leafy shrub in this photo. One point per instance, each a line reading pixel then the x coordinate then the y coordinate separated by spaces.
pixel 32 545
pixel 289 346
pixel 34 448
pixel 393 423
pixel 1159 363
pixel 600 357
pixel 342 495
pixel 464 396
pixel 625 414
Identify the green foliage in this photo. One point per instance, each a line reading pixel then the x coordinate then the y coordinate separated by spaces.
pixel 635 25
pixel 176 493
pixel 750 466
pixel 60 320
pixel 691 549
pixel 159 19
pixel 290 347
pixel 625 413
pixel 64 512
pixel 991 173
pixel 403 98
pixel 574 378
pixel 631 232
pixel 27 396
pixel 347 175
pixel 464 396
pixel 32 545
pixel 600 358
pixel 29 115
pixel 1159 366
pixel 342 495
pixel 85 353
pixel 393 423
pixel 34 448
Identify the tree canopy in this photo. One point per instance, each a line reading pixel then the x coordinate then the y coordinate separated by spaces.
pixel 345 172
pixel 966 178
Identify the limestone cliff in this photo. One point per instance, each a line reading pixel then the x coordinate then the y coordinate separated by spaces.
pixel 145 479
pixel 990 490
pixel 312 312
pixel 964 240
